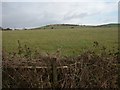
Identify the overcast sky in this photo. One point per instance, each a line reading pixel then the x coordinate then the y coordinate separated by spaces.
pixel 36 14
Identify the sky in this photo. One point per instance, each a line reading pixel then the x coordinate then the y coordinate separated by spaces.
pixel 34 13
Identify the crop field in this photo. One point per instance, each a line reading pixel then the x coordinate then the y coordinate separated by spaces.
pixel 68 41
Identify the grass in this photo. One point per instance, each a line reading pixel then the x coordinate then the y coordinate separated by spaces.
pixel 27 68
pixel 69 41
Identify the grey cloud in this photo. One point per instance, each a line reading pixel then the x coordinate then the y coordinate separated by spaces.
pixel 75 16
pixel 20 15
pixel 33 14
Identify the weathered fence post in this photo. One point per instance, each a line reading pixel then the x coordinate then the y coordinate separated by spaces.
pixel 54 72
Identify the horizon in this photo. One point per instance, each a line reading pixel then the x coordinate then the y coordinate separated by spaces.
pixel 61 24
pixel 38 14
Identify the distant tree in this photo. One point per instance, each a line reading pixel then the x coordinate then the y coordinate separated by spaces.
pixel 7 29
pixel 24 28
pixel 72 27
pixel 52 28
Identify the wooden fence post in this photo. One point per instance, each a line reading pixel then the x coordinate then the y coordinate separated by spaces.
pixel 54 72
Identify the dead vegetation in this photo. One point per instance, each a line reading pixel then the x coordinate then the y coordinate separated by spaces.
pixel 27 69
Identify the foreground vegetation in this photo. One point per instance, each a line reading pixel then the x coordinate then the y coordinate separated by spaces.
pixel 27 69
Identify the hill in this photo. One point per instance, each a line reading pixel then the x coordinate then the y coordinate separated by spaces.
pixel 58 26
pixel 73 26
pixel 109 25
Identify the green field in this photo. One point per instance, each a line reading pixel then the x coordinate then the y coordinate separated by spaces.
pixel 67 40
